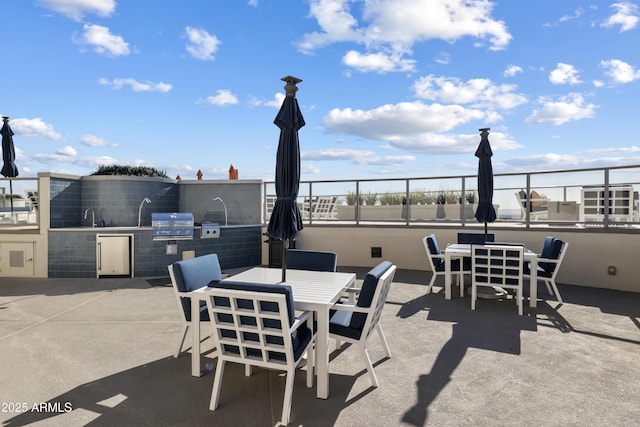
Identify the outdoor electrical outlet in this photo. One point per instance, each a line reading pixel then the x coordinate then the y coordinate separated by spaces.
pixel 612 270
pixel 376 252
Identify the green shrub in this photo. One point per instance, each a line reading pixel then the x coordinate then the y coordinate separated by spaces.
pixel 130 171
pixel 370 198
pixel 391 199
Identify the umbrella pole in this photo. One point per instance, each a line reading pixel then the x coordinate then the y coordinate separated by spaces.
pixel 284 259
pixel 486 234
pixel 11 196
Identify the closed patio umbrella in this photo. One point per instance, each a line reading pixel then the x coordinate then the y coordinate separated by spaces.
pixel 485 211
pixel 9 168
pixel 285 221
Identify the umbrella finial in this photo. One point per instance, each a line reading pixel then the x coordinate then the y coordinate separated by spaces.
pixel 290 88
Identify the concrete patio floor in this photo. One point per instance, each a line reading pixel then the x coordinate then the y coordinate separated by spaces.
pixel 99 353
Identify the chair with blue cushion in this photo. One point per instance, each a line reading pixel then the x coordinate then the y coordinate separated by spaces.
pixel 256 325
pixel 549 261
pixel 436 261
pixel 494 265
pixel 298 259
pixel 189 275
pixel 354 322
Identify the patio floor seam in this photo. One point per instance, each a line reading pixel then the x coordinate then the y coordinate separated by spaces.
pixel 54 316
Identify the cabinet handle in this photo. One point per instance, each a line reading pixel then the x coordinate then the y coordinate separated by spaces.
pixel 99 256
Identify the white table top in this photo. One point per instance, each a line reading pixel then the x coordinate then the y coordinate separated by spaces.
pixel 309 287
pixel 462 249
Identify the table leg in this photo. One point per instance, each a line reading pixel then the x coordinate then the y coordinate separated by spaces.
pixel 322 353
pixel 447 276
pixel 533 288
pixel 195 337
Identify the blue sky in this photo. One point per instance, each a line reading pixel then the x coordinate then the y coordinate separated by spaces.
pixel 391 88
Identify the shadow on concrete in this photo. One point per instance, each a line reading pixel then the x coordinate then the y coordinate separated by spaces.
pixel 161 393
pixel 493 326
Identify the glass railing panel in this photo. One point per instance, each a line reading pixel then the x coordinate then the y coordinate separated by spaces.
pixel 624 188
pixel 328 200
pixel 559 197
pixel 561 194
pixel 19 202
pixel 382 201
pixel 437 199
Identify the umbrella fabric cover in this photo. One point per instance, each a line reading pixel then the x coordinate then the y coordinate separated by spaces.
pixel 485 211
pixel 9 168
pixel 285 219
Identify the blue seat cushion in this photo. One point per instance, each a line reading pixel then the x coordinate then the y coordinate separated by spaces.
pixel 300 337
pixel 541 272
pixel 340 321
pixel 438 263
pixel 194 273
pixel 468 238
pixel 367 291
pixel 311 260
pixel 551 250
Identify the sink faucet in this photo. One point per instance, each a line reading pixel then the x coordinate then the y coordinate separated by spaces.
pixel 146 200
pixel 93 216
pixel 218 199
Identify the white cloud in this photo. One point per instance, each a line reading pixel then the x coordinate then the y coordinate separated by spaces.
pixel 85 162
pixel 378 62
pixel 253 3
pixel 443 58
pixel 387 26
pixel 614 150
pixel 620 71
pixel 416 127
pixel 360 157
pixel 550 161
pixel 626 16
pixel 564 74
pixel 335 154
pixel 223 97
pixel 568 108
pixel 34 127
pixel 135 85
pixel 76 9
pixel 477 92
pixel 93 141
pixel 103 41
pixel 512 70
pixel 336 22
pixel 384 160
pixel 276 102
pixel 202 45
pixel 67 151
pixel 576 14
pixel 394 121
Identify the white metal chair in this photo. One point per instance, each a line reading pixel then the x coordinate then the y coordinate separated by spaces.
pixel 497 265
pixel 436 261
pixel 549 260
pixel 324 207
pixel 354 323
pixel 255 325
pixel 189 275
pixel 538 206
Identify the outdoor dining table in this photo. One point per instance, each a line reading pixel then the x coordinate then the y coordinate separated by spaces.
pixel 460 251
pixel 317 291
